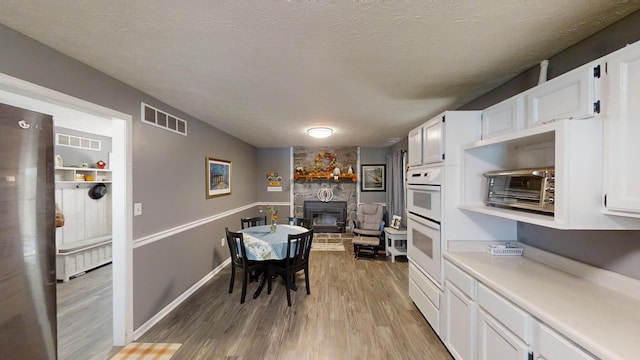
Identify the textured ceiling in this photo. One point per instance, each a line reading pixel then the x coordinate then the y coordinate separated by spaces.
pixel 266 70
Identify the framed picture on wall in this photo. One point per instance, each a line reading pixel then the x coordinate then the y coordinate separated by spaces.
pixel 218 178
pixel 373 177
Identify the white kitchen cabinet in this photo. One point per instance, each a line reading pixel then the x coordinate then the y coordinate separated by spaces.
pixel 496 342
pixel 622 131
pixel 433 140
pixel 415 147
pixel 479 323
pixel 438 139
pixel 569 96
pixel 459 334
pixel 459 317
pixel 574 148
pixel 550 346
pixel 426 295
pixel 503 118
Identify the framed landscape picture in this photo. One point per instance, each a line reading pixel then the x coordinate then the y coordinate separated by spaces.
pixel 218 177
pixel 373 177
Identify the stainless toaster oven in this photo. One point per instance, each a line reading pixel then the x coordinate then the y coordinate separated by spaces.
pixel 527 189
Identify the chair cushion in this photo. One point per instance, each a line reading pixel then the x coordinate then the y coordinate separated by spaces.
pixel 370 216
pixel 367 232
pixel 366 240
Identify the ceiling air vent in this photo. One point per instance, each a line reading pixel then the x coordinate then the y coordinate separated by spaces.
pixel 159 118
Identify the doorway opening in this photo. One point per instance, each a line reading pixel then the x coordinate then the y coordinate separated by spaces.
pixel 33 97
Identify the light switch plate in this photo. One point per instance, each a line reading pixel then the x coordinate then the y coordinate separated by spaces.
pixel 137 209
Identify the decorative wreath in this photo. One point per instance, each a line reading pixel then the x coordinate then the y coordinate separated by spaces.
pixel 325 161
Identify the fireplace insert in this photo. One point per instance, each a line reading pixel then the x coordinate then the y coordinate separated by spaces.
pixel 326 217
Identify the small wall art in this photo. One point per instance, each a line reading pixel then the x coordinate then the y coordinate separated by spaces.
pixel 373 177
pixel 218 178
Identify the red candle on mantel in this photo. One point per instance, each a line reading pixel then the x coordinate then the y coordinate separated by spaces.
pixel 101 164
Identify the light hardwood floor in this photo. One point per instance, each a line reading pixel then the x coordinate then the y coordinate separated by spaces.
pixel 84 316
pixel 358 309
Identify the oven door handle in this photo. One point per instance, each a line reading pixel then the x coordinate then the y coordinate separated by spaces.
pixel 424 221
pixel 430 188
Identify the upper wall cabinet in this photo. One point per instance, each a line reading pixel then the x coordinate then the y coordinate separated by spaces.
pixel 415 147
pixel 503 118
pixel 569 96
pixel 433 140
pixel 622 132
pixel 438 139
pixel 574 148
pixel 603 96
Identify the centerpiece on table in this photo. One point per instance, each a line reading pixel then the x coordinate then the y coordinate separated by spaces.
pixel 273 215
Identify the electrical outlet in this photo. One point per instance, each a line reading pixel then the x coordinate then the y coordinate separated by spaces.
pixel 137 209
pixel 222 242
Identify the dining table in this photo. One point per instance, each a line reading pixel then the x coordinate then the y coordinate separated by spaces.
pixel 263 245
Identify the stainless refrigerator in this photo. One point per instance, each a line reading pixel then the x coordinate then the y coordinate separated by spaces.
pixel 27 236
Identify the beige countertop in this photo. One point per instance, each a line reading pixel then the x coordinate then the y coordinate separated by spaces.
pixel 603 321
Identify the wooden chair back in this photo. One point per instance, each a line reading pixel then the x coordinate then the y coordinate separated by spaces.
pixel 306 223
pixel 235 243
pixel 253 221
pixel 298 250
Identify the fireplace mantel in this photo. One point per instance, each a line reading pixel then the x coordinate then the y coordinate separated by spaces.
pixel 324 178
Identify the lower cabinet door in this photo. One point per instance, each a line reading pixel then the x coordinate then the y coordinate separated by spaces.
pixel 552 345
pixel 459 320
pixel 495 342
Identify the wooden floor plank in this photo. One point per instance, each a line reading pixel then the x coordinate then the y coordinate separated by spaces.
pixel 358 309
pixel 84 308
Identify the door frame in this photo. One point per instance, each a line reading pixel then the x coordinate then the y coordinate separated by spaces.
pixel 17 92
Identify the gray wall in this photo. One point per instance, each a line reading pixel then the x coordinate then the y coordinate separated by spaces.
pixel 168 178
pixel 400 145
pixel 278 160
pixel 618 251
pixel 274 160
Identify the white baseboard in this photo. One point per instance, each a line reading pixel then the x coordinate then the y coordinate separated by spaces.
pixel 174 304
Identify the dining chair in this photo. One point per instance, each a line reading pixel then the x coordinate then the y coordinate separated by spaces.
pixel 297 221
pixel 298 250
pixel 235 242
pixel 253 221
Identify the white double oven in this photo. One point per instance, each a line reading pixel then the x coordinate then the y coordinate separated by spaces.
pixel 424 241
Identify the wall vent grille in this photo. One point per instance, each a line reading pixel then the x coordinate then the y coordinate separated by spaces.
pixel 159 118
pixel 78 142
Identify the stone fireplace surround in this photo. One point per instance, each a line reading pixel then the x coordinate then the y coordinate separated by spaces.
pixel 343 191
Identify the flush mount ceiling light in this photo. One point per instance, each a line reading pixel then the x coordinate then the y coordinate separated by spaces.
pixel 320 132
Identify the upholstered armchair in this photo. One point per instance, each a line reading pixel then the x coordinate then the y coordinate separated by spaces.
pixel 368 229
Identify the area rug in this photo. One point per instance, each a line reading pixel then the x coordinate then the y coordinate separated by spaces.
pixel 147 351
pixel 327 246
